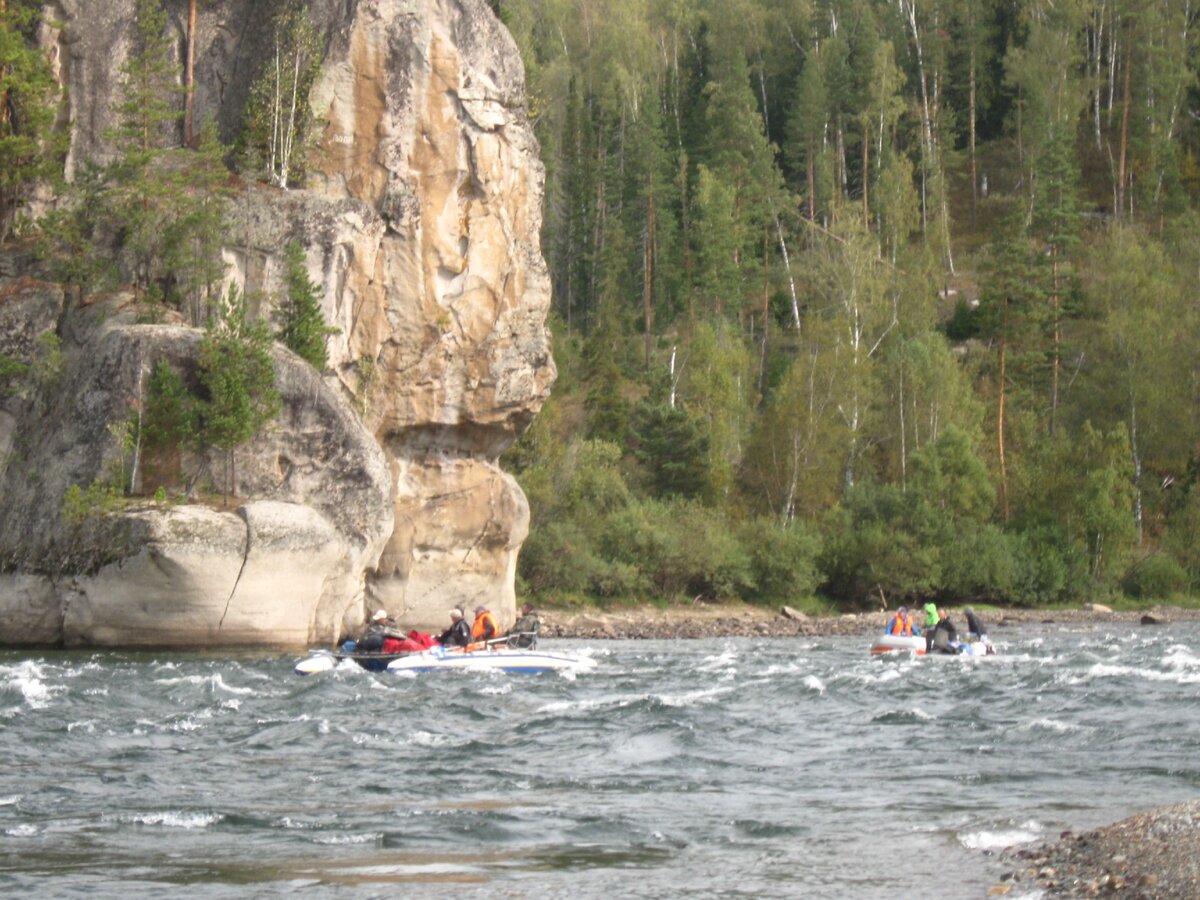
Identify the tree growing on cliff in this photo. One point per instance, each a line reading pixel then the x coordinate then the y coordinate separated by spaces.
pixel 278 117
pixel 199 226
pixel 302 324
pixel 141 198
pixel 27 92
pixel 237 381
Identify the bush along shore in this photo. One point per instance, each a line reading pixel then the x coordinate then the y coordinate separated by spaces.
pixel 706 620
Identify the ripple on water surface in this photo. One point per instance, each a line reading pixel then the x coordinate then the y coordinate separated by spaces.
pixel 784 767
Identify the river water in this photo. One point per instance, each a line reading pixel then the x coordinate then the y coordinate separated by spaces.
pixel 726 767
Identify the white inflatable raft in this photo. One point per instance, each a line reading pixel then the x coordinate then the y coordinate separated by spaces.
pixel 898 643
pixel 526 662
pixel 530 662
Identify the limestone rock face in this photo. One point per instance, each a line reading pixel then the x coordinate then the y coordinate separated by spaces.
pixel 283 569
pixel 420 221
pixel 424 104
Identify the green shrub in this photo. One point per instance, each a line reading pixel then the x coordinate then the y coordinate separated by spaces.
pixel 1154 578
pixel 97 499
pixel 783 561
pixel 1047 568
pixel 681 548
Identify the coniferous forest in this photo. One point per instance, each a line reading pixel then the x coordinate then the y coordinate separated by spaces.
pixel 852 299
pixel 866 299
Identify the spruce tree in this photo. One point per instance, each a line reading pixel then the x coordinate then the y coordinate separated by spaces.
pixel 148 118
pixel 237 378
pixel 198 226
pixel 302 327
pixel 27 92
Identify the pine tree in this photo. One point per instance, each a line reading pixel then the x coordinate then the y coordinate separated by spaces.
pixel 142 197
pixel 1056 222
pixel 1008 313
pixel 28 150
pixel 302 323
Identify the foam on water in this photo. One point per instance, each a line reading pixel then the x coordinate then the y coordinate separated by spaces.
pixel 1108 670
pixel 174 819
pixel 1048 724
pixel 690 698
pixel 723 662
pixel 28 679
pixel 1180 656
pixel 346 839
pixel 998 839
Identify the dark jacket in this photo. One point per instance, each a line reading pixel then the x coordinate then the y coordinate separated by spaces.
pixel 974 625
pixel 376 633
pixel 943 633
pixel 457 635
pixel 524 632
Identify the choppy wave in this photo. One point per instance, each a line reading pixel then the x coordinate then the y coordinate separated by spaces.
pixel 31 681
pixel 731 767
pixel 173 819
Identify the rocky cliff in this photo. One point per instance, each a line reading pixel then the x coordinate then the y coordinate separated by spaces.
pixel 379 484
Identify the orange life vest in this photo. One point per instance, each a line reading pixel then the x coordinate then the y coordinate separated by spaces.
pixel 901 624
pixel 480 628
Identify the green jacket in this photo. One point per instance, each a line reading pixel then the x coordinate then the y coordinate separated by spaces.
pixel 931 615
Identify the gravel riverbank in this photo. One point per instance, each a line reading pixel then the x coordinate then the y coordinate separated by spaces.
pixel 1153 855
pixel 705 621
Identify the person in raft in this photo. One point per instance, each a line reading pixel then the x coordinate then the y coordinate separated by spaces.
pixel 945 634
pixel 379 629
pixel 484 628
pixel 974 625
pixel 458 634
pixel 902 624
pixel 931 620
pixel 524 633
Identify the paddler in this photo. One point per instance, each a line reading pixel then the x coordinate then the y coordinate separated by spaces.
pixel 931 620
pixel 945 634
pixel 457 635
pixel 902 624
pixel 379 628
pixel 484 628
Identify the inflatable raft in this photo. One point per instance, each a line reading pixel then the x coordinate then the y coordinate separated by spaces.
pixel 525 662
pixel 528 662
pixel 899 643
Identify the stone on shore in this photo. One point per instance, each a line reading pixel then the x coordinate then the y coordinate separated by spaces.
pixel 1154 854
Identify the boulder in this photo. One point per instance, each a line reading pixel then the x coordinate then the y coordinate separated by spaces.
pixel 202 577
pixel 286 568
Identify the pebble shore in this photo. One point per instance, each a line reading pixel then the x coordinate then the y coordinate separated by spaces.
pixel 1152 855
pixel 707 621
